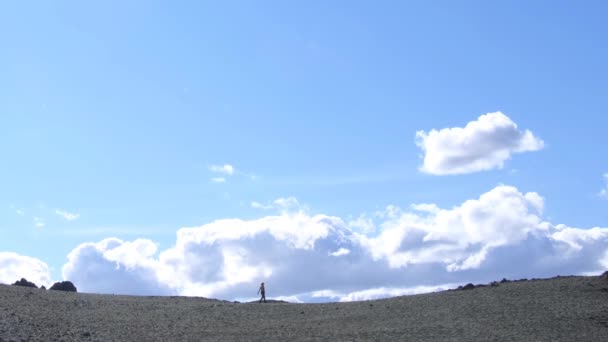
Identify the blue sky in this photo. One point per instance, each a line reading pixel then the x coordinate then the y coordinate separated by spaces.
pixel 118 112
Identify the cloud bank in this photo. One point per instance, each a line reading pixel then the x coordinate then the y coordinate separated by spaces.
pixel 14 267
pixel 321 257
pixel 483 144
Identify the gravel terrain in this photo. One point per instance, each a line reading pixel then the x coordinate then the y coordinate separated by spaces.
pixel 557 309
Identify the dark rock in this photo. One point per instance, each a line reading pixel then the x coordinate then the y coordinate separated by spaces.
pixel 605 275
pixel 481 285
pixel 42 287
pixel 468 286
pixel 523 279
pixel 25 283
pixel 64 286
pixel 494 284
pixel 504 280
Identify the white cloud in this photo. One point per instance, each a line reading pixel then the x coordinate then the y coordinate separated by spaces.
pixel 225 169
pixel 318 257
pixel 483 144
pixel 604 191
pixel 66 215
pixel 218 180
pixel 14 267
pixel 20 212
pixel 340 252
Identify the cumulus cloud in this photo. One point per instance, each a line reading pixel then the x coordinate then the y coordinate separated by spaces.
pixel 116 266
pixel 319 257
pixel 604 191
pixel 483 144
pixel 66 215
pixel 14 267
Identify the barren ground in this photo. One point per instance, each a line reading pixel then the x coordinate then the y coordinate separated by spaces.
pixel 557 309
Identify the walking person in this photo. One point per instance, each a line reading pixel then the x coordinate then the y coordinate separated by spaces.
pixel 262 291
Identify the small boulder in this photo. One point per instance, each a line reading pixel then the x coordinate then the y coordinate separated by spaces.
pixel 25 283
pixel 605 275
pixel 504 280
pixel 42 287
pixel 64 286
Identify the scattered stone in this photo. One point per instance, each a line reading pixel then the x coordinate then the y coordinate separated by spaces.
pixel 25 283
pixel 66 286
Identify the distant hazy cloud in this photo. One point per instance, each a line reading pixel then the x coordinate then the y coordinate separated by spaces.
pixel 500 234
pixel 483 144
pixel 225 169
pixel 39 222
pixel 66 215
pixel 280 204
pixel 604 191
pixel 14 267
pixel 258 205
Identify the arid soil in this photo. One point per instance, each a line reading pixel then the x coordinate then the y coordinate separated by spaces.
pixel 557 309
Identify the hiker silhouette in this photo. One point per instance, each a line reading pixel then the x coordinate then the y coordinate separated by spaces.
pixel 262 291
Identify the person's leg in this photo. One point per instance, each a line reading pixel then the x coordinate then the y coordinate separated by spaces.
pixel 264 296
